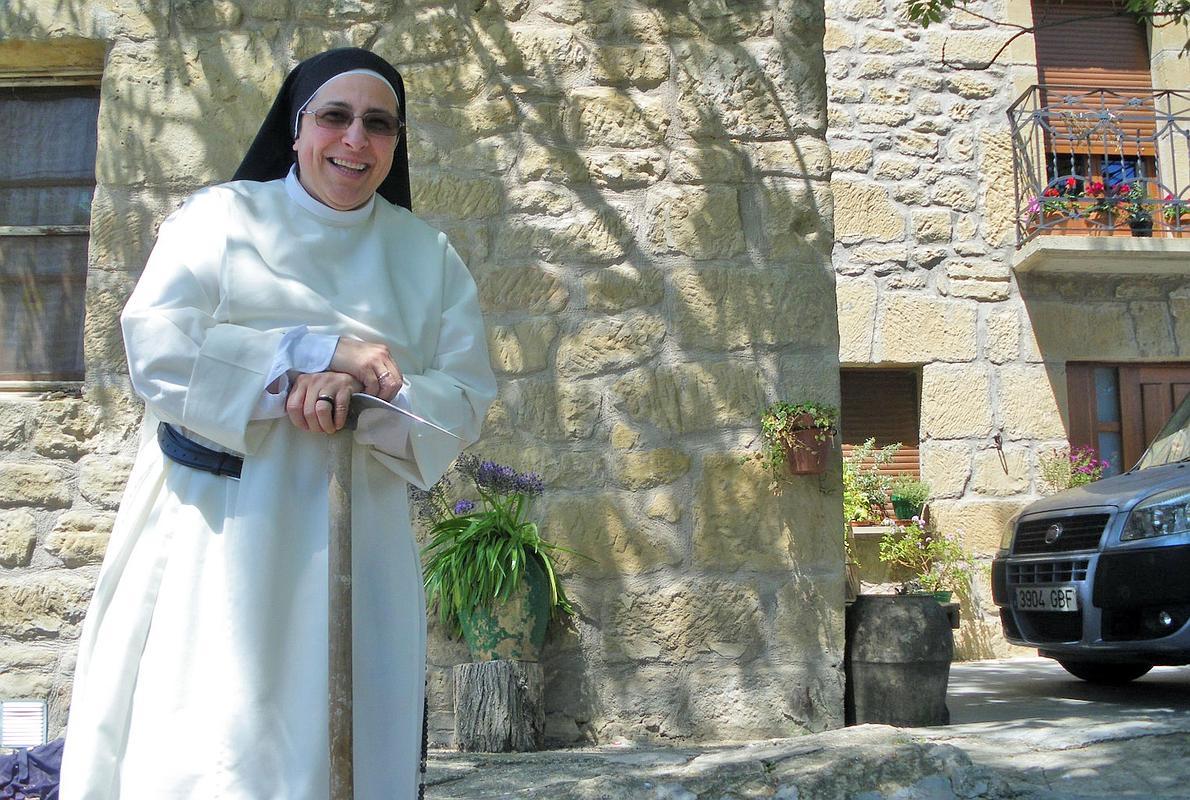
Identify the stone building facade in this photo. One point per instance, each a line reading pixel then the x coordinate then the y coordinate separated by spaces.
pixel 930 277
pixel 642 193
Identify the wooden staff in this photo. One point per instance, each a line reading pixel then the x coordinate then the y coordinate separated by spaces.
pixel 339 622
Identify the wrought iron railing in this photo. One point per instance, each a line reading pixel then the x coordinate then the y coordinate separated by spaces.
pixel 1101 162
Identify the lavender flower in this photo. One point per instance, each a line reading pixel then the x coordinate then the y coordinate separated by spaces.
pixel 463 507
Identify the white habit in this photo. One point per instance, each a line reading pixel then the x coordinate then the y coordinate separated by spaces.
pixel 202 668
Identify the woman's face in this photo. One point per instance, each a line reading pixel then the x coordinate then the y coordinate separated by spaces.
pixel 343 168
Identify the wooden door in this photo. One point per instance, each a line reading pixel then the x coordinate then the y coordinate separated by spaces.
pixel 1148 396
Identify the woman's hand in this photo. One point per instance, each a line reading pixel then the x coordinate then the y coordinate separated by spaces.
pixel 370 364
pixel 308 413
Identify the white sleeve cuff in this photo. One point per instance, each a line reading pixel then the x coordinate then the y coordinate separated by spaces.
pixel 298 351
pixel 388 432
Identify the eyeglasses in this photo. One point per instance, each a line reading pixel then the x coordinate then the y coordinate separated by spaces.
pixel 376 123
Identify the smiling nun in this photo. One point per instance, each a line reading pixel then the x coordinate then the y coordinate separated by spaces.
pixel 202 669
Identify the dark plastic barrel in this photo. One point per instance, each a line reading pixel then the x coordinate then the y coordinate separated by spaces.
pixel 897 661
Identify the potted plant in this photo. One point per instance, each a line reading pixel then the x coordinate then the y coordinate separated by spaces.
pixel 936 563
pixel 1174 208
pixel 865 486
pixel 1131 198
pixel 909 496
pixel 797 435
pixel 487 568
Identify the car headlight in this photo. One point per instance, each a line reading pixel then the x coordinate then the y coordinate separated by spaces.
pixel 1009 532
pixel 1162 514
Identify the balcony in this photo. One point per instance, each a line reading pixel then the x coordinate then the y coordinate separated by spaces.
pixel 1101 179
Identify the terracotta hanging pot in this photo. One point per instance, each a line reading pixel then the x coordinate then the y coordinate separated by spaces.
pixel 806 447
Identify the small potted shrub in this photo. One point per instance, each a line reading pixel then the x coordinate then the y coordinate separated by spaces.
pixel 909 496
pixel 797 436
pixel 1061 470
pixel 486 566
pixel 865 486
pixel 936 563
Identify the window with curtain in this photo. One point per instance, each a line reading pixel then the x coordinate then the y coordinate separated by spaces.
pixel 47 179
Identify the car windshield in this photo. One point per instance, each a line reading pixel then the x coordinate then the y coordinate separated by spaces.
pixel 1173 443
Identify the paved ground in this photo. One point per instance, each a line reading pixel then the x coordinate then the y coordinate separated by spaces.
pixel 1020 729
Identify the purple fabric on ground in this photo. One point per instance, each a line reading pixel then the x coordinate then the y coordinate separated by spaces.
pixel 31 773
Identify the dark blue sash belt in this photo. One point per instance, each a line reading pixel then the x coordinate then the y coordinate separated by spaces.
pixel 192 454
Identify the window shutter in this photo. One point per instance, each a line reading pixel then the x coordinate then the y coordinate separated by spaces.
pixel 1107 52
pixel 882 404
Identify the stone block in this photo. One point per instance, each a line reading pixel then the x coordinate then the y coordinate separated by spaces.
pixel 460 80
pixel 855 159
pixel 740 524
pixel 1070 331
pixel 978 524
pixel 874 69
pixel 676 623
pixel 448 194
pixel 549 409
pixel 649 468
pixel 426 35
pixel 729 309
pixel 977 279
pixel 494 154
pixel 601 528
pixel 994 167
pixel 804 157
pixel 888 95
pixel 705 163
pixel 559 468
pixel 1002 335
pixel 837 37
pixel 930 80
pixel 928 106
pixel 845 92
pixel 1029 403
pixel 14 422
pixel 1154 329
pixel 884 116
pixel 915 328
pixel 796 217
pixel 946 467
pixel 911 193
pixel 692 397
pixel 971 87
pixel 966 48
pixel 523 347
pixel 856 302
pixel 956 402
pixel 540 162
pixel 521 289
pixel 18 536
pixel 40 485
pixel 864 211
pixel 64 428
pixel 931 226
pixel 80 537
pixel 954 192
pixel 550 56
pixel 700 222
pixel 759 93
pixel 891 168
pixel 43 606
pixel 541 198
pixel 875 254
pixel 642 67
pixel 664 506
pixel 808 613
pixel 1003 473
pixel 103 345
pixel 626 169
pixel 605 345
pixel 102 480
pixel 586 236
pixel 913 143
pixel 621 287
pixel 864 9
pixel 598 116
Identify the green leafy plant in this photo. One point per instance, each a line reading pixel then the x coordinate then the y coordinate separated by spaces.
pixel 1061 469
pixel 910 492
pixel 781 420
pixel 934 561
pixel 477 551
pixel 865 487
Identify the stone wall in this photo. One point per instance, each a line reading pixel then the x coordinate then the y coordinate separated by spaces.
pixel 641 190
pixel 924 222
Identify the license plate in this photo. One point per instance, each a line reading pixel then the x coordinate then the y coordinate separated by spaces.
pixel 1047 598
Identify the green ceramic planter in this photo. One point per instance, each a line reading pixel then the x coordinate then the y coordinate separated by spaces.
pixel 514 630
pixel 905 509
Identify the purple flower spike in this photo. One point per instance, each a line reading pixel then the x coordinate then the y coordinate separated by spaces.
pixel 463 507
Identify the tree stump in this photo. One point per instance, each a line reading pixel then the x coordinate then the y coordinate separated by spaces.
pixel 499 706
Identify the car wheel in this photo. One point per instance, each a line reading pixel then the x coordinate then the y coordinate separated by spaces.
pixel 1105 672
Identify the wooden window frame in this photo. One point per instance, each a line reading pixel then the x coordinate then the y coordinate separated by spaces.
pixel 33 77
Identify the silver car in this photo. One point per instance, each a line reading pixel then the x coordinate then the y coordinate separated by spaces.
pixel 1098 577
